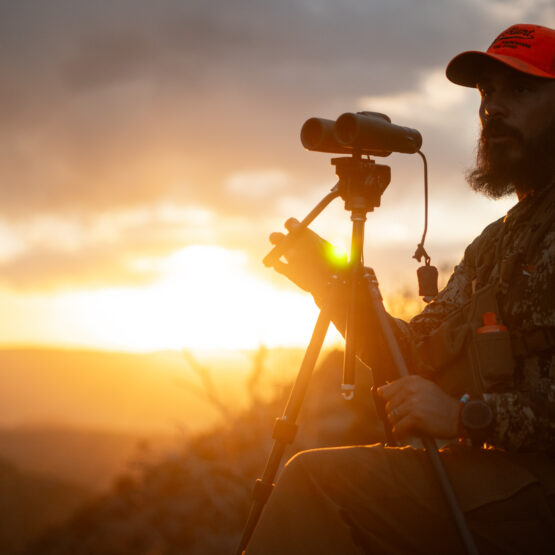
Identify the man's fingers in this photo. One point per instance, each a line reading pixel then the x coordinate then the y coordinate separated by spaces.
pixel 407 386
pixel 388 390
pixel 291 224
pixel 285 269
pixel 404 427
pixel 282 268
pixel 276 237
pixel 393 413
pixel 394 393
pixel 416 405
pixel 403 417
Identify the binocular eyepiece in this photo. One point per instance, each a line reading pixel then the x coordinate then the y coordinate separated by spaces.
pixel 364 132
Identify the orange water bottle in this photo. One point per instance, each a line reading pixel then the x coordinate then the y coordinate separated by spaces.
pixel 494 353
pixel 490 324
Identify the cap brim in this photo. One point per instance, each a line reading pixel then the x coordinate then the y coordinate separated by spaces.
pixel 466 68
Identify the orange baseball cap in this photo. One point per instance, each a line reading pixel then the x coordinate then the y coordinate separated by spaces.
pixel 525 47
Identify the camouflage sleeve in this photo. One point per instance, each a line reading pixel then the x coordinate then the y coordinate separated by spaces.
pixel 456 293
pixel 452 296
pixel 524 420
pixel 460 285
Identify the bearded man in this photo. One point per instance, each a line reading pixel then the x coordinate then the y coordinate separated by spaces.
pixel 375 499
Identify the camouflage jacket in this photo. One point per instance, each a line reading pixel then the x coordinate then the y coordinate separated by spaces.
pixel 524 418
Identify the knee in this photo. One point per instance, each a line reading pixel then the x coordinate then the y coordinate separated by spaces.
pixel 309 460
pixel 299 464
pixel 322 465
pixel 305 466
pixel 364 464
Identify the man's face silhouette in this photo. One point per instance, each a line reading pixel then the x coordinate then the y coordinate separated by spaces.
pixel 517 144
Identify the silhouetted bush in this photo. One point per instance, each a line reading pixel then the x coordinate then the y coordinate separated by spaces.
pixel 196 499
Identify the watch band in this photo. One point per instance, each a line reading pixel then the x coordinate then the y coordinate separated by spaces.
pixel 460 431
pixel 476 419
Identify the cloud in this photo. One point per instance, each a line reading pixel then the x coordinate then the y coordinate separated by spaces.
pixel 257 184
pixel 53 252
pixel 434 98
pixel 102 61
pixel 113 105
pixel 112 109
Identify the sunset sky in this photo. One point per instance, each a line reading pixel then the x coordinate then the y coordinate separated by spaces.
pixel 149 148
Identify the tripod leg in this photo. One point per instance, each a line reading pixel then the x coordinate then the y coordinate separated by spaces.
pixel 285 427
pixel 380 409
pixel 429 444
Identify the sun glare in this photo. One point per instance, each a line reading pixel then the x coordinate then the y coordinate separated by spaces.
pixel 205 298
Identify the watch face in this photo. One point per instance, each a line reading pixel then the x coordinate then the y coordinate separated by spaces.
pixel 476 416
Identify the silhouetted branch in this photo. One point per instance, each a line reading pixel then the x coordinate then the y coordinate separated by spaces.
pixel 258 368
pixel 207 389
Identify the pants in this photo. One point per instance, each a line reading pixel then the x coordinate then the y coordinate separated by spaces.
pixel 372 499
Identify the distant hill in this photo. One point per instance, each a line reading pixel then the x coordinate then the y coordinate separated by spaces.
pixel 99 390
pixel 80 414
pixel 86 458
pixel 29 504
pixel 196 500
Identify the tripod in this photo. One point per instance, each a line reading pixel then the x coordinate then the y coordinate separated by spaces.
pixel 361 185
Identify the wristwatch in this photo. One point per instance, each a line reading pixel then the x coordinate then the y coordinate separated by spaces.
pixel 476 420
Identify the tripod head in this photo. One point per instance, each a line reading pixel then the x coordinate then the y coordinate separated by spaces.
pixel 361 182
pixel 361 185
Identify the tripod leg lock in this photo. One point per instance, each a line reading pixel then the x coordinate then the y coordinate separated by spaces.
pixel 284 431
pixel 262 491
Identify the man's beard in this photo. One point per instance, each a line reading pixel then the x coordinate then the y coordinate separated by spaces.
pixel 498 174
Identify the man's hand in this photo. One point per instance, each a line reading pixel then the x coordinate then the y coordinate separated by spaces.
pixel 310 260
pixel 416 405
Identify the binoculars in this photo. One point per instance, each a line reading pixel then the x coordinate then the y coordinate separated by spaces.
pixel 365 133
